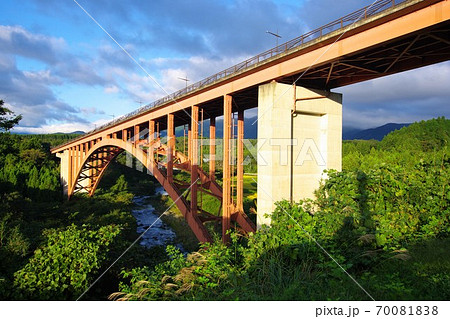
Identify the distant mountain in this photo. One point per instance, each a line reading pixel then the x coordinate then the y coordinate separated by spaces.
pixel 74 132
pixel 377 133
pixel 251 131
pixel 29 133
pixel 250 128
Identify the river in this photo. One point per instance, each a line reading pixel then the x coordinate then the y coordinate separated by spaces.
pixel 160 233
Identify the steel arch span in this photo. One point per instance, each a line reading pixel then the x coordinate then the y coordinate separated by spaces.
pixel 93 162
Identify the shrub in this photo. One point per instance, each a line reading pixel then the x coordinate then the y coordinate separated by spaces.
pixel 66 264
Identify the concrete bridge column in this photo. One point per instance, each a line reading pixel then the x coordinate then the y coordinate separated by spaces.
pixel 65 172
pixel 299 136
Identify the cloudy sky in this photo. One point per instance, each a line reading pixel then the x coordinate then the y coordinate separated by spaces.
pixel 63 73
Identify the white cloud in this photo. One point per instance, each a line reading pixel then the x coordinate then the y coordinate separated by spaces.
pixel 111 89
pixel 60 127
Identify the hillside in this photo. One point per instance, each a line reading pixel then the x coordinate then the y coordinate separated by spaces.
pixel 420 136
pixel 377 133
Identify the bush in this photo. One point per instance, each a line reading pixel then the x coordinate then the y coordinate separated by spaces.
pixel 66 264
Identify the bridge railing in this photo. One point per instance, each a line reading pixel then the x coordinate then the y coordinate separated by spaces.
pixel 338 24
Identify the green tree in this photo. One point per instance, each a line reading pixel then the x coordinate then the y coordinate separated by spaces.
pixel 7 118
pixel 34 156
pixel 33 182
pixel 120 186
pixel 33 178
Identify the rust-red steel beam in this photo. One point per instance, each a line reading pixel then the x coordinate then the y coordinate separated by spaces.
pixel 240 162
pixel 190 142
pixel 212 148
pixel 194 163
pixel 226 186
pixel 136 133
pixel 170 146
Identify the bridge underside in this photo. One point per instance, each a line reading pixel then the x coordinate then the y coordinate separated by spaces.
pixel 425 47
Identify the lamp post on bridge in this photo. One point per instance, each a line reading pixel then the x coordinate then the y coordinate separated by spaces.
pixel 185 79
pixel 276 35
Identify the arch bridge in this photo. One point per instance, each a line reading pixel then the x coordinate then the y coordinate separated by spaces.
pixel 299 119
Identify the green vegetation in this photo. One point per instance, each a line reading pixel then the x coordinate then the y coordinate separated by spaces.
pixel 51 140
pixel 28 168
pixel 384 219
pixel 51 248
pixel 65 265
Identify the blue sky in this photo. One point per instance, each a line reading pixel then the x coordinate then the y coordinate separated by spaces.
pixel 63 73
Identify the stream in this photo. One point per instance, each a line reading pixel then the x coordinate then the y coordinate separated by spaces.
pixel 160 233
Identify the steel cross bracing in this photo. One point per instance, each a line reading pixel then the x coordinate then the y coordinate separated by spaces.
pixel 93 169
pixel 425 47
pixel 161 159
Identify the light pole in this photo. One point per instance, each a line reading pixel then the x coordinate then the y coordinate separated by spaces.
pixel 185 79
pixel 275 35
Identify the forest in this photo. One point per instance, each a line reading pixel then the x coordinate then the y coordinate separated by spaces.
pixel 384 219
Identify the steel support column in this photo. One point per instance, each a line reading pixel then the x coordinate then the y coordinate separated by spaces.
pixel 77 160
pixel 194 163
pixel 170 146
pixel 137 130
pixel 226 200
pixel 189 142
pixel 151 131
pixel 212 148
pixel 81 155
pixel 151 140
pixel 240 162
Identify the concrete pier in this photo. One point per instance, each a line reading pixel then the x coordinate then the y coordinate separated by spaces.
pixel 299 136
